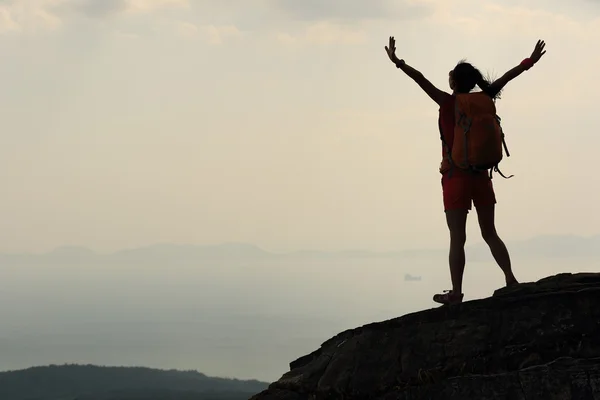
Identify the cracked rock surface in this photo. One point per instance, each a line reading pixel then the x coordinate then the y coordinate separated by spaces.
pixel 538 340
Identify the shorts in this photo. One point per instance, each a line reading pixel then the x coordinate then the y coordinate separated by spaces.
pixel 460 191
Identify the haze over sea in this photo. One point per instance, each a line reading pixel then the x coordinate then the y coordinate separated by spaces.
pixel 235 312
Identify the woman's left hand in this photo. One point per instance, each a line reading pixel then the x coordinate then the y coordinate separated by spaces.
pixel 538 52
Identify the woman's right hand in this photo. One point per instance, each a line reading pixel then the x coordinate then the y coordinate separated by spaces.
pixel 391 51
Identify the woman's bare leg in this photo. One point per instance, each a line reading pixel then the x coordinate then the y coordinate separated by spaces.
pixel 457 224
pixel 498 248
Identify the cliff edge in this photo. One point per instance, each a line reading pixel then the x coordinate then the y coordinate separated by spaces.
pixel 538 340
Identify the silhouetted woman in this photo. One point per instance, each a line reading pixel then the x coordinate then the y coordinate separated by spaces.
pixel 463 187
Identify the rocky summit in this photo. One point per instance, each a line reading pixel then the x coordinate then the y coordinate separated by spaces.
pixel 538 340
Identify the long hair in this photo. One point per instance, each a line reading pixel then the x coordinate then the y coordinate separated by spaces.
pixel 466 77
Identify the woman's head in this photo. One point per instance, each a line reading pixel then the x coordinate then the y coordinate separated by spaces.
pixel 464 77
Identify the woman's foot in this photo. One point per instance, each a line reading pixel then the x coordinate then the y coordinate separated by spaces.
pixel 448 298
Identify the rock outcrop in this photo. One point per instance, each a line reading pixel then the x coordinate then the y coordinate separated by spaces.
pixel 537 340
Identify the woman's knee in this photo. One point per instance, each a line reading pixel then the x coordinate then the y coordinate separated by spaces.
pixel 487 224
pixel 489 234
pixel 457 225
pixel 456 243
pixel 458 237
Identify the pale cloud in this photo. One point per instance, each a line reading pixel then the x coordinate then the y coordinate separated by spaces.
pixel 30 15
pixel 126 35
pixel 216 35
pixel 532 21
pixel 350 10
pixel 154 5
pixel 186 29
pixel 324 33
pixel 493 19
pixel 92 8
pixel 104 8
pixel 7 23
pixel 211 34
pixel 36 15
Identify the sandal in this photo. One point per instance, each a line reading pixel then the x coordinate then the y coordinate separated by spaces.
pixel 448 298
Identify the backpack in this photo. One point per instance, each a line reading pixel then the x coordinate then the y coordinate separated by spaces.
pixel 478 135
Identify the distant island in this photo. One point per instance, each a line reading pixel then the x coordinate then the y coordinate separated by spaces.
pixel 410 278
pixel 89 382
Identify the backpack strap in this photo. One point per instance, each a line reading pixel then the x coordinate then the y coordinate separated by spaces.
pixel 465 123
pixel 448 153
pixel 466 126
pixel 503 140
pixel 505 147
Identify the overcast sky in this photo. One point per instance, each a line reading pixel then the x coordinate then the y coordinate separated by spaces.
pixel 281 122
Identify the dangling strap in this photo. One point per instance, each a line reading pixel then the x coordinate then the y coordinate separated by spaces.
pixel 498 171
pixel 495 168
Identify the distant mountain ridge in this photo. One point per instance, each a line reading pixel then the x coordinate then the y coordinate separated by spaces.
pixel 539 246
pixel 95 382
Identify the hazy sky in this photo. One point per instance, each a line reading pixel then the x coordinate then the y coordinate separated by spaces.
pixel 281 122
